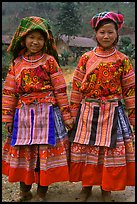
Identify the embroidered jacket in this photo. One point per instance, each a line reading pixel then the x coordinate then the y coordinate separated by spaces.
pixel 104 78
pixel 38 82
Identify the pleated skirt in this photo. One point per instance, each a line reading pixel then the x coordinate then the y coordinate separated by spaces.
pixel 112 167
pixel 34 162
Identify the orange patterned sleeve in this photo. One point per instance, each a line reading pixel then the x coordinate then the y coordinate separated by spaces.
pixel 9 97
pixel 76 95
pixel 128 89
pixel 60 88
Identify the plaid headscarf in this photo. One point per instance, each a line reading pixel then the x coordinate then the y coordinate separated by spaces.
pixel 117 18
pixel 29 24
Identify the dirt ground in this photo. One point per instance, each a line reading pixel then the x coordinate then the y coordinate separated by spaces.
pixel 66 191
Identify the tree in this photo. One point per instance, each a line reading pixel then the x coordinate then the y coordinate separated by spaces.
pixel 126 46
pixel 68 20
pixel 6 59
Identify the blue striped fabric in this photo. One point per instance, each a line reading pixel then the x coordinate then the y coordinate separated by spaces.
pixel 38 124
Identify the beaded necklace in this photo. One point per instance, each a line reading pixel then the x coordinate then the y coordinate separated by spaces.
pixel 99 55
pixel 27 60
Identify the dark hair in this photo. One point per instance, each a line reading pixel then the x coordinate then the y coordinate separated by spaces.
pixel 44 34
pixel 104 22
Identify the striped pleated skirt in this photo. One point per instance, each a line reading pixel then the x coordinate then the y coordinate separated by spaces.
pixel 102 147
pixel 37 150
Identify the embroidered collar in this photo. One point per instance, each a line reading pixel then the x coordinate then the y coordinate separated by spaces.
pixel 100 52
pixel 32 57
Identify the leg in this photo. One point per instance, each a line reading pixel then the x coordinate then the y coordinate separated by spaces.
pixel 41 194
pixel 106 195
pixel 25 193
pixel 84 194
pixel 42 190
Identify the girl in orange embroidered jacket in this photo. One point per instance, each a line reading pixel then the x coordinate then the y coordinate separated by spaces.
pixel 36 110
pixel 102 138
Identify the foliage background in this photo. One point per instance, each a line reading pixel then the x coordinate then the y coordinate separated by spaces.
pixel 13 12
pixel 72 18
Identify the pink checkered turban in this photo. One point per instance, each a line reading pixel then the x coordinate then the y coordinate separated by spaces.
pixel 117 18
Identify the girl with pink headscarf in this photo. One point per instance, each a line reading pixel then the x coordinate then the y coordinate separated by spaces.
pixel 103 109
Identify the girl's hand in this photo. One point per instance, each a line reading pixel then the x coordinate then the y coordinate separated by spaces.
pixel 134 129
pixel 69 124
pixel 9 127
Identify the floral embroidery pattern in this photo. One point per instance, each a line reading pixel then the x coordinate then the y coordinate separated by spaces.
pixel 33 80
pixel 104 80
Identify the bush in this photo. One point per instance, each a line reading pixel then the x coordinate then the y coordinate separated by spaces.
pixel 63 59
pixel 126 46
pixel 6 59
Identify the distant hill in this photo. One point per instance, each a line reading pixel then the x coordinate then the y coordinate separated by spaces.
pixel 13 12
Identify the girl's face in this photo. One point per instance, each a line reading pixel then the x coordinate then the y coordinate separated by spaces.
pixel 106 35
pixel 34 41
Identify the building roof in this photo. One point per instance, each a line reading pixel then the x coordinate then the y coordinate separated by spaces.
pixel 74 41
pixel 79 41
